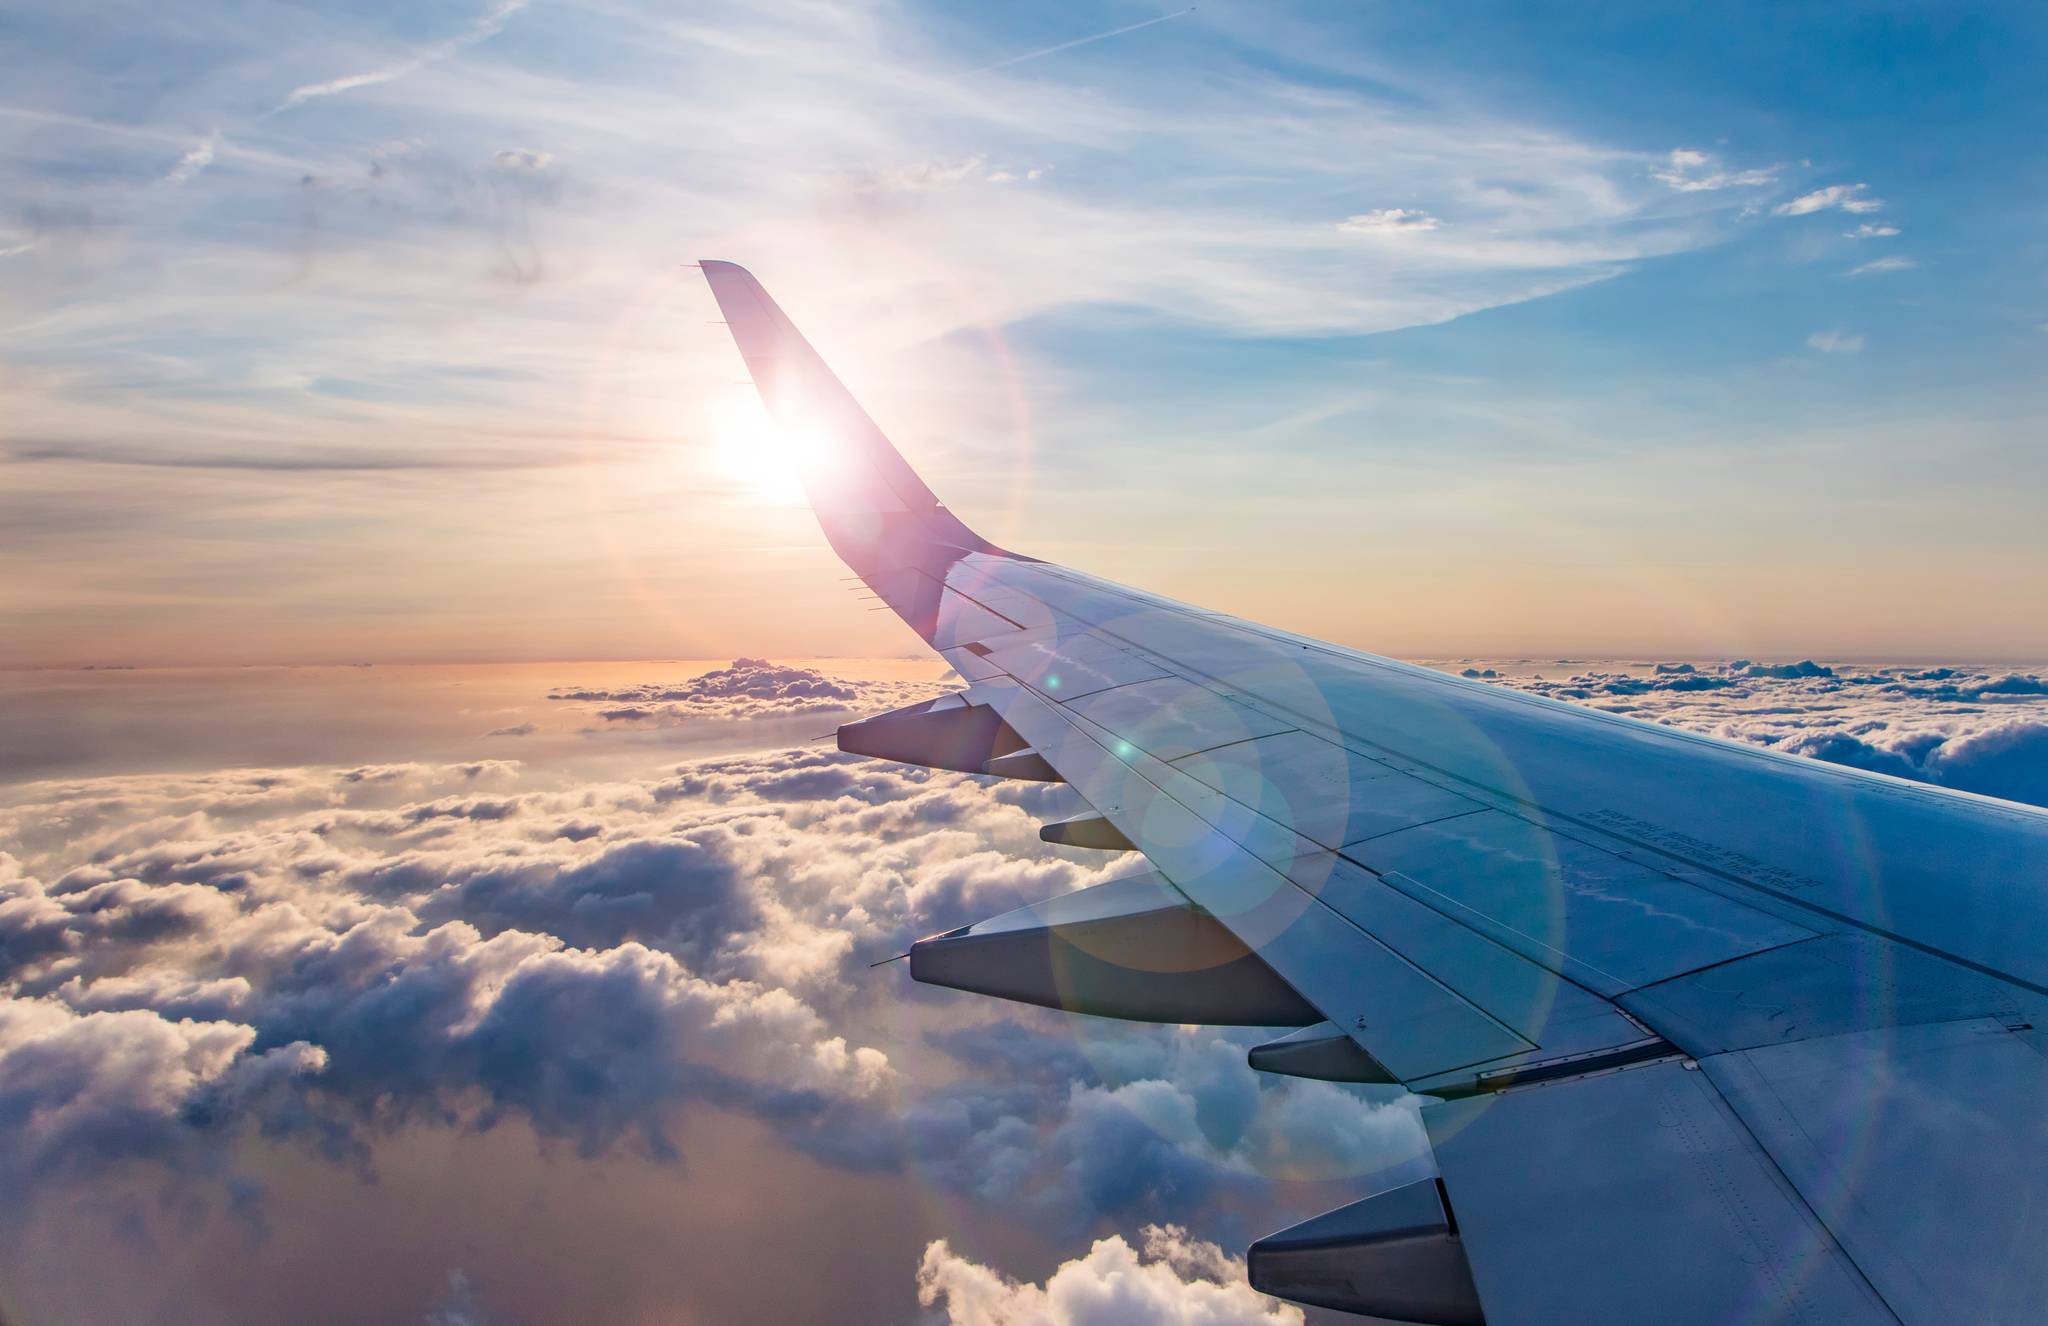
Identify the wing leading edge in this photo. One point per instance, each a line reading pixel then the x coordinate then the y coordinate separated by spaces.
pixel 1712 1034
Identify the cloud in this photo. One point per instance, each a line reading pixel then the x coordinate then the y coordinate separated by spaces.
pixel 1691 171
pixel 1870 231
pixel 363 316
pixel 2009 760
pixel 514 730
pixel 482 29
pixel 359 459
pixel 750 688
pixel 394 947
pixel 1835 342
pixel 460 1307
pixel 1847 197
pixel 1130 1125
pixel 1805 667
pixel 171 981
pixel 607 956
pixel 1384 219
pixel 329 954
pixel 1170 1278
pixel 1089 40
pixel 1879 266
pixel 79 1091
pixel 197 159
pixel 1973 729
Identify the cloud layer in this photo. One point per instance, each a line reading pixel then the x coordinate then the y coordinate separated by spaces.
pixel 334 962
pixel 1975 729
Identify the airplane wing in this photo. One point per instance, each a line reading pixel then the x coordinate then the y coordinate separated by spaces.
pixel 1710 1034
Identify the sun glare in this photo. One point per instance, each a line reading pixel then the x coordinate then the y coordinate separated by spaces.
pixel 764 460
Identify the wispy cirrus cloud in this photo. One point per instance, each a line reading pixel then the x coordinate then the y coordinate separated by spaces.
pixel 1880 266
pixel 1383 219
pixel 1846 197
pixel 1691 171
pixel 198 159
pixel 487 249
pixel 1835 342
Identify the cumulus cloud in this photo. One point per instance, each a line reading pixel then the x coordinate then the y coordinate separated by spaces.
pixel 1846 197
pixel 1869 230
pixel 1879 266
pixel 1169 1278
pixel 1835 342
pixel 750 688
pixel 82 1090
pixel 395 961
pixel 1135 1126
pixel 1384 219
pixel 326 955
pixel 1690 171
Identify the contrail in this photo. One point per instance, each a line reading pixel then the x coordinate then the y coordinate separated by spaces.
pixel 483 29
pixel 1083 41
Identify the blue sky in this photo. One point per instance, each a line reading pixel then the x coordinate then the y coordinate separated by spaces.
pixel 361 331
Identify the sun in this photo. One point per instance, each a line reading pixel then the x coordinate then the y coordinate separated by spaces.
pixel 760 457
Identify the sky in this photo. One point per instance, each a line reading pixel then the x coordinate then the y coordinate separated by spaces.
pixel 365 332
pixel 428 891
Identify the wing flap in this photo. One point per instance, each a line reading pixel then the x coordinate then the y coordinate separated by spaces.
pixel 1870 1125
pixel 1635 1196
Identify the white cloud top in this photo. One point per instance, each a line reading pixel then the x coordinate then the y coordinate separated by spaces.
pixel 1170 1279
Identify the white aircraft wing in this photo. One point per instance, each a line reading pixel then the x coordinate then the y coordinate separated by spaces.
pixel 1712 1034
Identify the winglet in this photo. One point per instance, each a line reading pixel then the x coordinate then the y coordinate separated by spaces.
pixel 874 508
